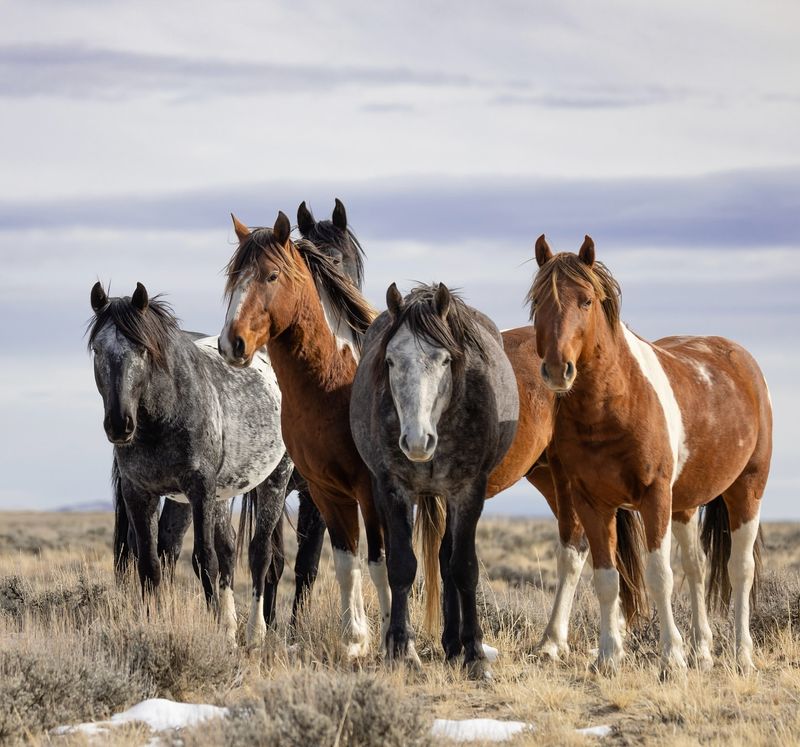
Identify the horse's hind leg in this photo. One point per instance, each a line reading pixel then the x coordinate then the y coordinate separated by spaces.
pixel 310 535
pixel 274 573
pixel 743 500
pixel 451 605
pixel 570 558
pixel 685 529
pixel 172 527
pixel 269 510
pixel 376 562
pixel 143 516
pixel 225 546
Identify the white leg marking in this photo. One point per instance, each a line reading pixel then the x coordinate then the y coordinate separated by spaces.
pixel 380 577
pixel 741 571
pixel 256 626
pixel 658 576
pixel 610 653
pixel 227 614
pixel 654 372
pixel 354 620
pixel 694 566
pixel 569 563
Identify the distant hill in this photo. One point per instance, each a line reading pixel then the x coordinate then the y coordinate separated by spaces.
pixel 88 506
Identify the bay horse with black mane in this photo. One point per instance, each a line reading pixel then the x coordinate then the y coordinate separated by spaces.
pixel 291 297
pixel 187 426
pixel 663 428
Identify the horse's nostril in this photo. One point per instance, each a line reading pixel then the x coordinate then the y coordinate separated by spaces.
pixel 128 425
pixel 403 443
pixel 430 442
pixel 238 347
pixel 544 370
pixel 569 371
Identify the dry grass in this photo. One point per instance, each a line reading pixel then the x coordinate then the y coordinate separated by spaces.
pixel 74 647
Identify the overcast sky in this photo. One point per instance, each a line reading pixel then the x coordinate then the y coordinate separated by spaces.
pixel 454 132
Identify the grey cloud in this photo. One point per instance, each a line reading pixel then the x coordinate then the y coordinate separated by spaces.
pixel 736 209
pixel 81 71
pixel 595 98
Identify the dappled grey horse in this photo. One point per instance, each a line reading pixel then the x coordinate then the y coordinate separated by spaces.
pixel 434 409
pixel 186 425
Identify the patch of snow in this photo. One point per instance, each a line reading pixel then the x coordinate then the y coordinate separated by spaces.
pixel 159 714
pixel 474 729
pixel 492 730
pixel 490 652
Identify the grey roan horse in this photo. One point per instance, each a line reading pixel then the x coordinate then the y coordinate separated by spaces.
pixel 434 409
pixel 186 425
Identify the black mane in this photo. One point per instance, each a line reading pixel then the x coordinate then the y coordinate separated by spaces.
pixel 325 232
pixel 152 329
pixel 459 332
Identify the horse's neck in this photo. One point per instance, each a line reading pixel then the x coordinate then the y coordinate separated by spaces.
pixel 307 356
pixel 168 388
pixel 602 383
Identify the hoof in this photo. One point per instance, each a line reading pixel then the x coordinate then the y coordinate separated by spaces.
pixel 256 635
pixel 673 665
pixel 356 650
pixel 745 666
pixel 478 670
pixel 701 660
pixel 550 650
pixel 605 666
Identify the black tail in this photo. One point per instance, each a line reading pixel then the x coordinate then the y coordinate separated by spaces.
pixel 122 550
pixel 715 536
pixel 630 548
pixel 246 522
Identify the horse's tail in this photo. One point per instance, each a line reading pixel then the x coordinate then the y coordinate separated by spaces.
pixel 630 548
pixel 246 522
pixel 122 549
pixel 715 537
pixel 428 532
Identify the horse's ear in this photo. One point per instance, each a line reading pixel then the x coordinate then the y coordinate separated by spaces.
pixel 586 252
pixel 340 215
pixel 394 300
pixel 282 228
pixel 242 231
pixel 139 298
pixel 442 300
pixel 98 297
pixel 543 251
pixel 305 220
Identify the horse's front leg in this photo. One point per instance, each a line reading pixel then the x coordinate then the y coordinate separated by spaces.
pixel 376 558
pixel 200 489
pixel 172 527
pixel 397 515
pixel 464 570
pixel 310 535
pixel 570 555
pixel 600 525
pixel 451 604
pixel 142 511
pixel 656 513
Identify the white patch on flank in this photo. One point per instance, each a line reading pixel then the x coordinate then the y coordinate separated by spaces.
pixel 159 714
pixel 380 578
pixel 569 564
pixel 658 577
pixel 354 619
pixel 703 373
pixel 654 372
pixel 345 337
pixel 741 571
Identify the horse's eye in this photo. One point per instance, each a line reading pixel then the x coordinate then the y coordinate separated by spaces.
pixel 273 276
pixel 586 304
pixel 390 363
pixel 446 361
pixel 337 261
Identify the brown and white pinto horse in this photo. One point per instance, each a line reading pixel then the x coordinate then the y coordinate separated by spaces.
pixel 663 428
pixel 292 298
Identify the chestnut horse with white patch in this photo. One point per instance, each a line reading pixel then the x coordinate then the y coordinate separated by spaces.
pixel 663 428
pixel 292 298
